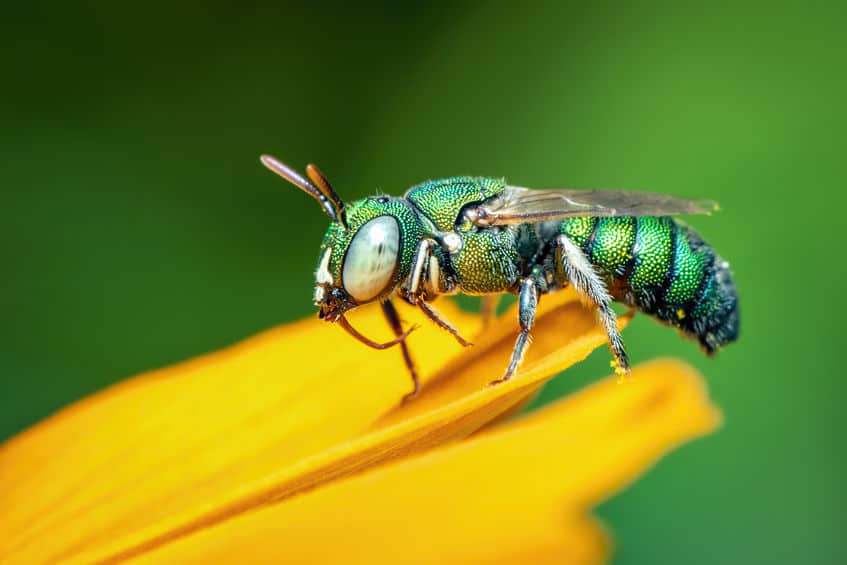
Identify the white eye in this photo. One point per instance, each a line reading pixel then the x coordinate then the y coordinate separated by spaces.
pixel 371 258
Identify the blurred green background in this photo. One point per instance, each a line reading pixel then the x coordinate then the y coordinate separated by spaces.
pixel 139 229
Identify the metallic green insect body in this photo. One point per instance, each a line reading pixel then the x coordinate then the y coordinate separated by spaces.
pixel 480 236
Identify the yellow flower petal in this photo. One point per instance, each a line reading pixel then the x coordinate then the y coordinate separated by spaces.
pixel 170 452
pixel 516 494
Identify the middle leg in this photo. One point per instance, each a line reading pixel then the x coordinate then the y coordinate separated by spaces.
pixel 527 305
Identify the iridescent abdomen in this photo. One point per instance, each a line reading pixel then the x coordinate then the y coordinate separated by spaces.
pixel 666 270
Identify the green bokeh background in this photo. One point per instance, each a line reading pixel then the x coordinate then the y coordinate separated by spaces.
pixel 138 228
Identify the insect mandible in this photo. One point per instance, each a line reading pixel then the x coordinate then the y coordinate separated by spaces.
pixel 481 236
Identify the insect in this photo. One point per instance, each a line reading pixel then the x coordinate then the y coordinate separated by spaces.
pixel 480 236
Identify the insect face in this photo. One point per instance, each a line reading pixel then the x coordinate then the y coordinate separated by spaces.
pixel 366 261
pixel 366 252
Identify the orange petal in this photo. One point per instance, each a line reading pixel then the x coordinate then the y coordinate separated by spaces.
pixel 519 493
pixel 173 451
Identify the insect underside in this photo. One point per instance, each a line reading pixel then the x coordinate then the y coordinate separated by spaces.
pixel 479 236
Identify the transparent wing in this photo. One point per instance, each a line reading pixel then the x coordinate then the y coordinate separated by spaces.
pixel 518 205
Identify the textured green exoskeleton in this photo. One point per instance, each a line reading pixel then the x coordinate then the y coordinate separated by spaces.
pixel 481 236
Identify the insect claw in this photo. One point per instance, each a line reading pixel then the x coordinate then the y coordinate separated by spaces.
pixel 412 395
pixel 506 377
pixel 501 380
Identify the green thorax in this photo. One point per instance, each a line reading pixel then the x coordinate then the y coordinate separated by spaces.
pixel 487 261
pixel 442 200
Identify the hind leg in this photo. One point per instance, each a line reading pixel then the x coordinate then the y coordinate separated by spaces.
pixel 581 274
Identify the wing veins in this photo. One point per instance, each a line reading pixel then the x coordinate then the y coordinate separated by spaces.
pixel 520 205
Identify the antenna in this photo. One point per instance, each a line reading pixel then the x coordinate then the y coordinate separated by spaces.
pixel 329 200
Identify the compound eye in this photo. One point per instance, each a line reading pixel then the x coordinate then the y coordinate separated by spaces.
pixel 371 259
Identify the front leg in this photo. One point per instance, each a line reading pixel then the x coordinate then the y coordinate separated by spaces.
pixel 527 305
pixel 442 323
pixel 393 319
pixel 415 291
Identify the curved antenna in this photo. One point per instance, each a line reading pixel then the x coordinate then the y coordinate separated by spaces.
pixel 297 180
pixel 326 189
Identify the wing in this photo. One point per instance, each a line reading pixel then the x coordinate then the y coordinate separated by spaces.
pixel 518 205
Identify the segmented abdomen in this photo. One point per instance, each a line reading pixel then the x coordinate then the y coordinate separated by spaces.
pixel 666 270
